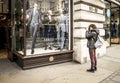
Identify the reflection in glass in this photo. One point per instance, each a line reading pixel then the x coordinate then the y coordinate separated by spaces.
pixel 18 24
pixel 46 26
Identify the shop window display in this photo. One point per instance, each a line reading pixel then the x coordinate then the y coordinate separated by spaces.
pixel 107 14
pixel 111 25
pixel 41 32
pixel 114 25
pixel 46 30
pixel 40 26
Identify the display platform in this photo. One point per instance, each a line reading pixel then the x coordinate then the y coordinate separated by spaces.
pixel 32 61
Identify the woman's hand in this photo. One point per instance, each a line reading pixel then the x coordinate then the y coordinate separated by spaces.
pixel 86 29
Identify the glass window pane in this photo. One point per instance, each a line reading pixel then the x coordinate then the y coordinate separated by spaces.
pixel 47 26
pixel 17 25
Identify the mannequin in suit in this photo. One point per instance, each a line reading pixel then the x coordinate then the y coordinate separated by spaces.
pixel 33 16
pixel 113 29
pixel 61 29
pixel 48 29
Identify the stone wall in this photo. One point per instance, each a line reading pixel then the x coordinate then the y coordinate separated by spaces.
pixel 86 12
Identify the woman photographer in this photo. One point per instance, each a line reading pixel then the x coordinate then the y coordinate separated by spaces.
pixel 91 35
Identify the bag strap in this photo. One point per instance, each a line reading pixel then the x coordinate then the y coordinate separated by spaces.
pixel 96 37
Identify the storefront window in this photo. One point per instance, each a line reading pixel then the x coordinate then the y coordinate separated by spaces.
pixel 16 24
pixel 40 26
pixel 112 23
pixel 107 22
pixel 115 24
pixel 46 31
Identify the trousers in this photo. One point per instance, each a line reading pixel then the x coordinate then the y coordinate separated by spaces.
pixel 48 35
pixel 60 38
pixel 92 53
pixel 33 34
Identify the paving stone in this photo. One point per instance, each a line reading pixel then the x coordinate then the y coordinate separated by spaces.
pixel 108 71
pixel 113 78
pixel 110 81
pixel 117 78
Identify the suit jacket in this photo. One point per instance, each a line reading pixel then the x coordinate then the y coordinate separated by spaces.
pixel 29 12
pixel 62 21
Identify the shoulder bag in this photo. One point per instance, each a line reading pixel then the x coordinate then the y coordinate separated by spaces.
pixel 99 42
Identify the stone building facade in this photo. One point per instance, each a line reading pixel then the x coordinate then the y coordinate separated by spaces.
pixel 86 12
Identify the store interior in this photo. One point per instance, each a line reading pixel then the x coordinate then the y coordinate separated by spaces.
pixel 112 23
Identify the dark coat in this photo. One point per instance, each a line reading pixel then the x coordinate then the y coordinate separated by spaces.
pixel 92 38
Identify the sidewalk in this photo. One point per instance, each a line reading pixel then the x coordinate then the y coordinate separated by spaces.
pixel 70 72
pixel 113 53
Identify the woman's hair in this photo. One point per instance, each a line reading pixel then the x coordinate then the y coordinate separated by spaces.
pixel 93 26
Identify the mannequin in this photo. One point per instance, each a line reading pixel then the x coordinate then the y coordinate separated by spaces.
pixel 116 29
pixel 112 29
pixel 48 30
pixel 62 21
pixel 33 22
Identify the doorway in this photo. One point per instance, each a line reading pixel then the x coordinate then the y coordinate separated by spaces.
pixel 115 28
pixel 112 23
pixel 3 39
